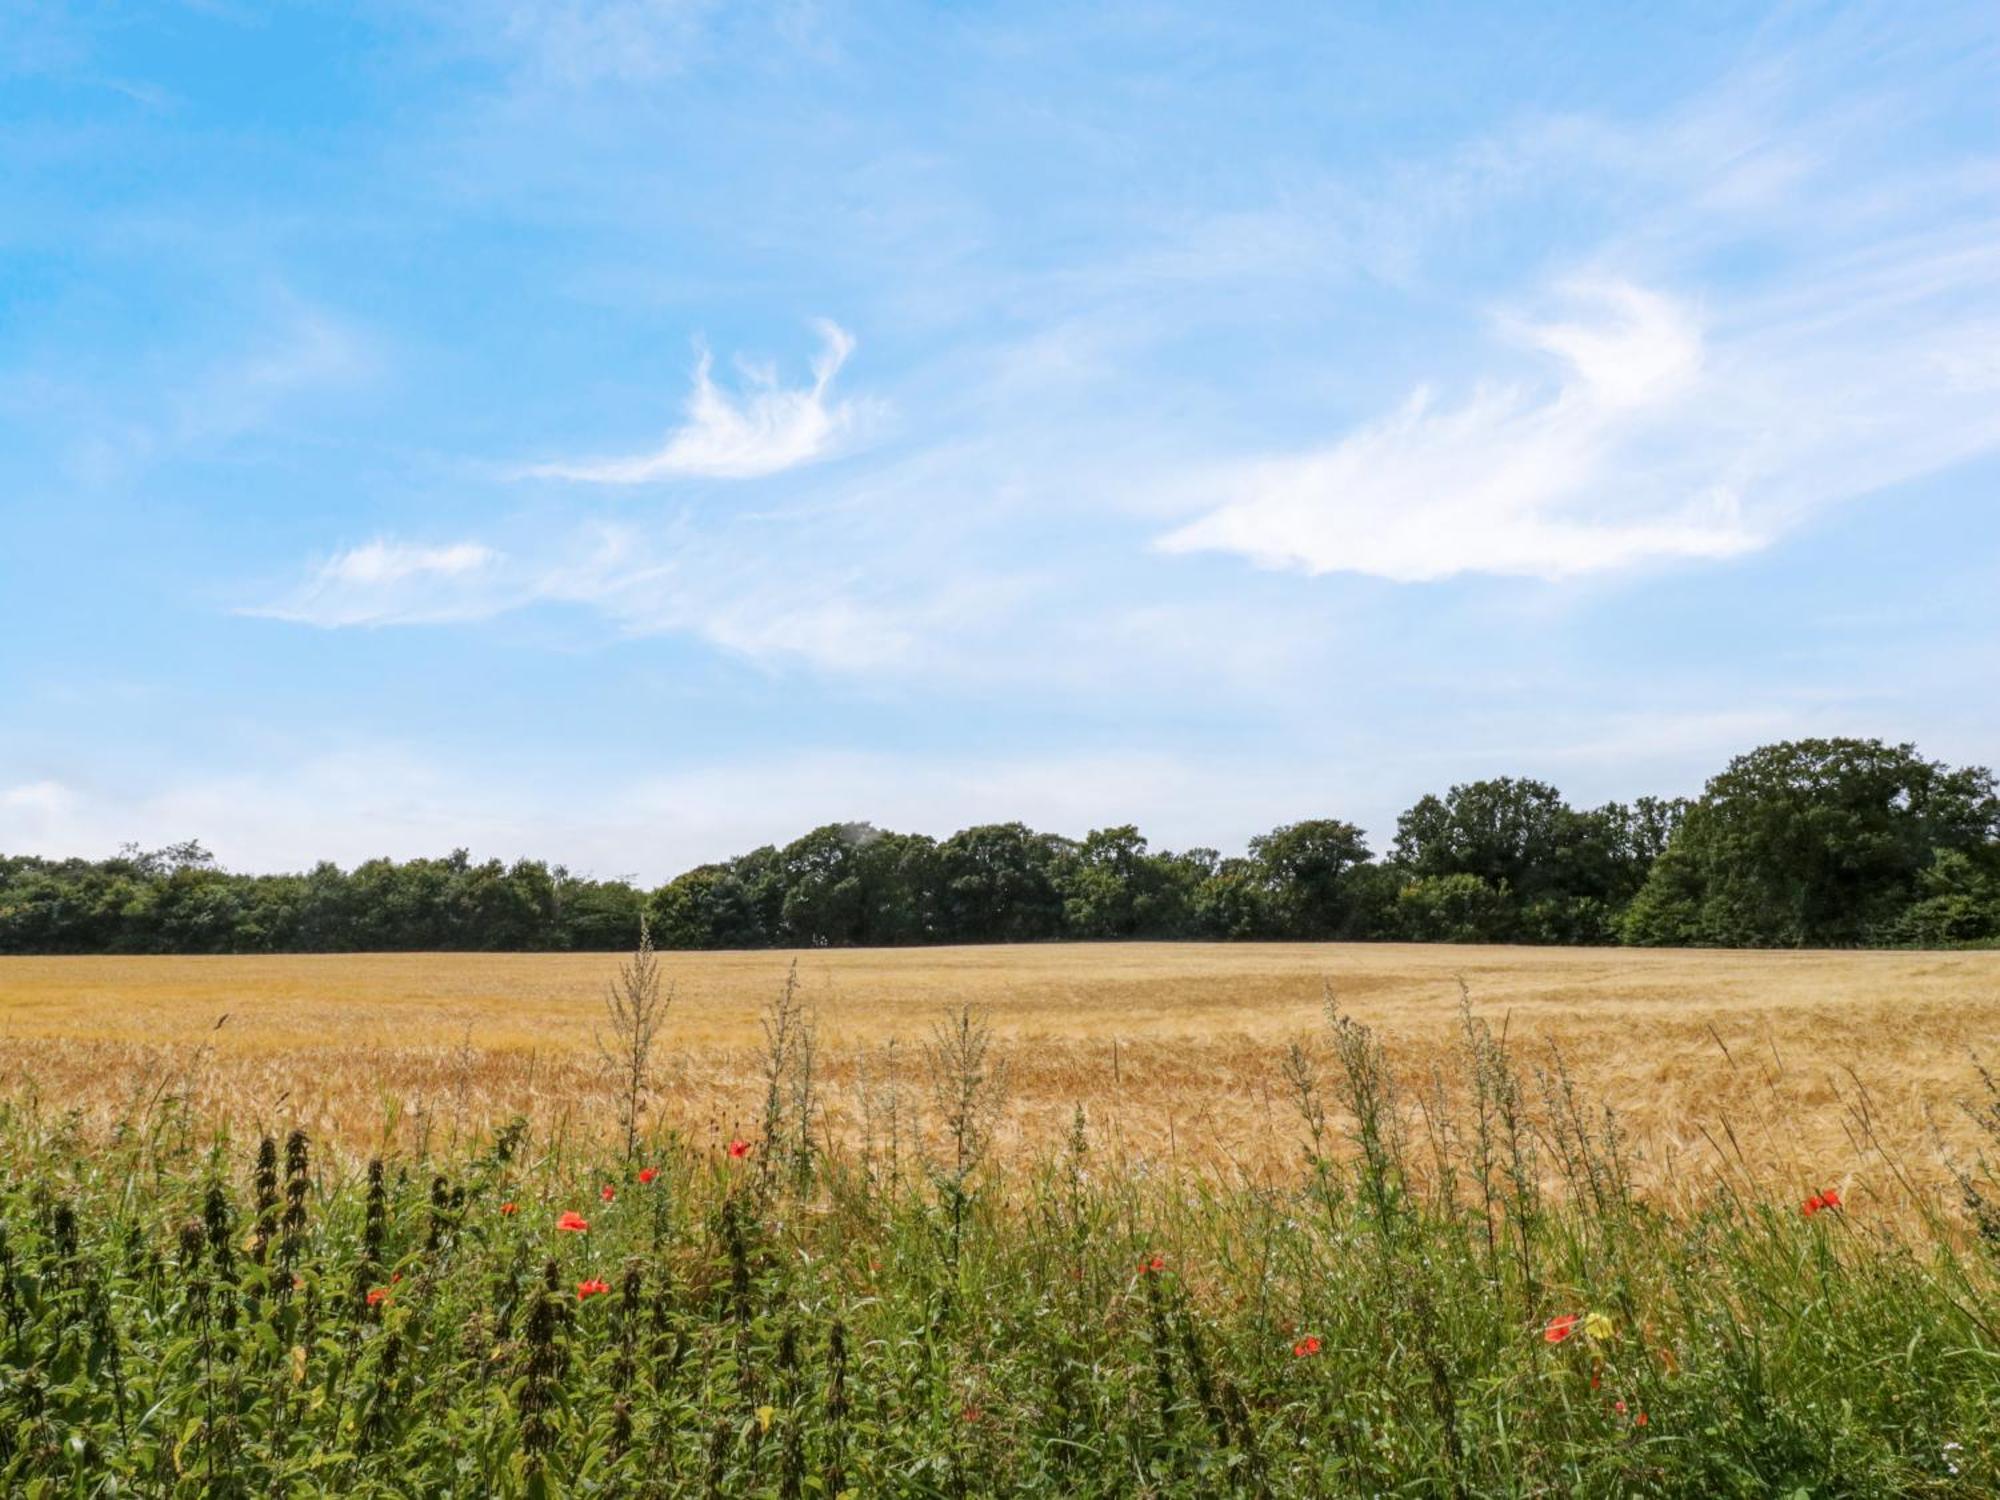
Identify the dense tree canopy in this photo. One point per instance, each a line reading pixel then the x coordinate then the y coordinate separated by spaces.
pixel 1309 875
pixel 1821 842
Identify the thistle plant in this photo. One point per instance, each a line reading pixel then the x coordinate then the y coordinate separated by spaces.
pixel 968 1084
pixel 635 1008
pixel 791 1040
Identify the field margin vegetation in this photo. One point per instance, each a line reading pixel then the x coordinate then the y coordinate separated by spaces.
pixel 1458 1291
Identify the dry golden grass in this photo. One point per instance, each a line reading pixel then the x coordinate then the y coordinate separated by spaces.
pixel 1775 1064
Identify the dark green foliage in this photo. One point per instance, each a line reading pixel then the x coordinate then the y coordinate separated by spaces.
pixel 1837 842
pixel 851 884
pixel 1457 908
pixel 1508 860
pixel 999 884
pixel 1827 843
pixel 1113 887
pixel 177 901
pixel 1309 873
pixel 1958 901
pixel 709 907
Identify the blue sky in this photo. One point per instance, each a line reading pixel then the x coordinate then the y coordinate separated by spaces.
pixel 628 433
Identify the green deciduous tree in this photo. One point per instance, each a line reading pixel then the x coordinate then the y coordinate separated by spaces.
pixel 1113 887
pixel 708 907
pixel 1460 908
pixel 1822 842
pixel 997 884
pixel 1308 870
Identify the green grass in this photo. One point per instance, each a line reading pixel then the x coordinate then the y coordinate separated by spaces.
pixel 176 1320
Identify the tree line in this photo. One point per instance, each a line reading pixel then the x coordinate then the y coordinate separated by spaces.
pixel 1807 843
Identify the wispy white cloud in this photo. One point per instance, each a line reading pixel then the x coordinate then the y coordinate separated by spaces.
pixel 762 430
pixel 1508 481
pixel 1717 338
pixel 729 595
pixel 1764 329
pixel 382 562
pixel 384 582
pixel 755 591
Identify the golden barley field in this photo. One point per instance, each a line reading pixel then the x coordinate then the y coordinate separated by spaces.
pixel 1801 1068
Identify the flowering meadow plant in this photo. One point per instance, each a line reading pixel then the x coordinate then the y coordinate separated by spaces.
pixel 175 1321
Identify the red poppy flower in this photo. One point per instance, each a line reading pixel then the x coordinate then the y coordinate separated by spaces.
pixel 377 1296
pixel 1306 1347
pixel 573 1221
pixel 1153 1267
pixel 972 1414
pixel 739 1148
pixel 1830 1198
pixel 510 1209
pixel 647 1174
pixel 1812 1205
pixel 1619 1407
pixel 1639 1420
pixel 607 1192
pixel 591 1288
pixel 1560 1328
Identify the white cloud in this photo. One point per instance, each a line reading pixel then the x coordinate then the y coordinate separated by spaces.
pixel 1725 339
pixel 1782 314
pixel 1667 435
pixel 743 598
pixel 1508 481
pixel 381 562
pixel 756 590
pixel 764 430
pixel 1642 351
pixel 385 582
